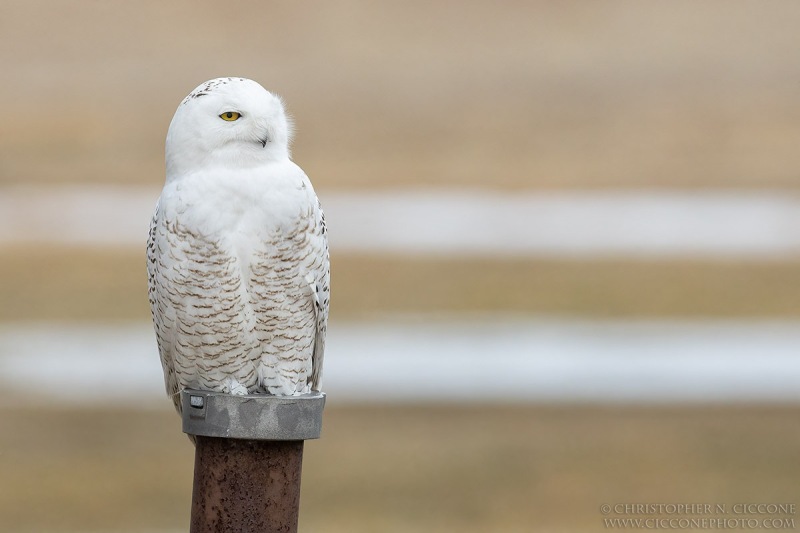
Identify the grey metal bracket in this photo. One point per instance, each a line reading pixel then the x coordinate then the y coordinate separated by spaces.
pixel 254 416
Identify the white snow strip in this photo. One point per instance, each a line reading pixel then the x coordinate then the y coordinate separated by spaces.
pixel 712 224
pixel 402 359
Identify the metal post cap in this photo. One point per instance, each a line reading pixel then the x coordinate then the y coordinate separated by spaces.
pixel 254 417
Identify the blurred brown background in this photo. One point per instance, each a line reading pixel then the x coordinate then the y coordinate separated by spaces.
pixel 509 96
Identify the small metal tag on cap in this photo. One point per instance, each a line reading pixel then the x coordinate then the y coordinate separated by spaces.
pixel 196 401
pixel 254 416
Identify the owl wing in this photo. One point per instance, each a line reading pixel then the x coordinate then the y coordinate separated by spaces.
pixel 163 319
pixel 321 291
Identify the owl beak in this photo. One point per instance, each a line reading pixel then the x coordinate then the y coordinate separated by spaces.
pixel 264 142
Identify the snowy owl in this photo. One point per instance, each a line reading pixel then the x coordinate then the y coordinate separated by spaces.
pixel 237 255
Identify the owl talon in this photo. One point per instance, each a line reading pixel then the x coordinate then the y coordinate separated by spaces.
pixel 232 386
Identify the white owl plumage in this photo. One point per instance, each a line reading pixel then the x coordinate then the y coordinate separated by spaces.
pixel 237 256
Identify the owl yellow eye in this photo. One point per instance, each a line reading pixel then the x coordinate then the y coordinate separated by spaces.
pixel 230 116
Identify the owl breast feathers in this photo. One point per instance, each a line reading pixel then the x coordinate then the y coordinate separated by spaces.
pixel 237 256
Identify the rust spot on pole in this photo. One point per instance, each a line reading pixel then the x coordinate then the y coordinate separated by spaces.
pixel 246 486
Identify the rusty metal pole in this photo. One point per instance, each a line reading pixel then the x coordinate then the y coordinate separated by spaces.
pixel 248 459
pixel 246 485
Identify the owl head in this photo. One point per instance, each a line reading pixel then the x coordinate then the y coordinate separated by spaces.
pixel 230 122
